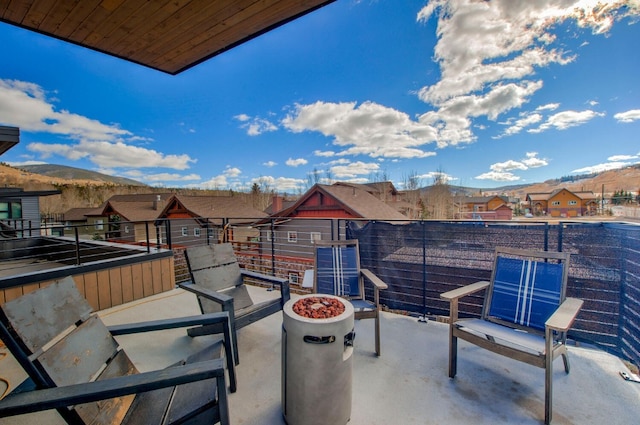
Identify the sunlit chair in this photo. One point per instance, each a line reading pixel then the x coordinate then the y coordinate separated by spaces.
pixel 337 272
pixel 525 314
pixel 219 282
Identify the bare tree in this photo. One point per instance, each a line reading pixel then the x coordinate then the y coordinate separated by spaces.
pixel 439 200
pixel 411 185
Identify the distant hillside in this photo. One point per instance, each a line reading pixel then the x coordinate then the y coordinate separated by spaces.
pixel 72 173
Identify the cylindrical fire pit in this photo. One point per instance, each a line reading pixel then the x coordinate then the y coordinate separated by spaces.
pixel 317 348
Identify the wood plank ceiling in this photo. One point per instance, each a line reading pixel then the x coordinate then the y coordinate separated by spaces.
pixel 167 35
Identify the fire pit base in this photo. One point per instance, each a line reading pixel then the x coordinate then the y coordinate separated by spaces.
pixel 317 360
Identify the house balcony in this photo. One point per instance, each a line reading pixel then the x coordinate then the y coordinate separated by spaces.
pixel 408 383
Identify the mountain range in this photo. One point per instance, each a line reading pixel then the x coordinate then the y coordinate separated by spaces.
pixel 72 173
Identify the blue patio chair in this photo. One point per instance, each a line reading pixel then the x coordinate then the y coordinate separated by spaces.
pixel 525 314
pixel 337 272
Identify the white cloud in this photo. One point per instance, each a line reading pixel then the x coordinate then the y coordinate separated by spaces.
pixel 232 171
pixel 282 183
pixel 354 169
pixel 532 160
pixel 548 107
pixel 518 125
pixel 296 162
pixel 217 182
pixel 19 164
pixel 27 106
pixel 489 53
pixel 629 116
pixel 112 155
pixel 623 157
pixel 368 129
pixel 437 176
pixel 174 177
pixel 324 153
pixel 270 164
pixel 502 171
pixel 598 168
pixel 499 176
pixel 255 126
pixel 566 119
pixel 508 166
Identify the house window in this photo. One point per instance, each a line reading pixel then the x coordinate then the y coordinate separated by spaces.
pixel 271 235
pixel 99 224
pixel 126 229
pixel 573 202
pixel 555 203
pixel 292 236
pixel 185 231
pixel 316 236
pixel 294 278
pixel 196 232
pixel 10 210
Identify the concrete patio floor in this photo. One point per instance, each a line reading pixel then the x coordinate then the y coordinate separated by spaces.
pixel 407 384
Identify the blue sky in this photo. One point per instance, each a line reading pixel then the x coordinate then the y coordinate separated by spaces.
pixel 487 93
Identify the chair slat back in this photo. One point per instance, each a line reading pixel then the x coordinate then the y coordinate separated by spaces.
pixel 526 288
pixel 39 316
pixel 214 267
pixel 68 345
pixel 337 269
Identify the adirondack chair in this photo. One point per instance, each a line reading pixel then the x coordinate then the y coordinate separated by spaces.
pixel 337 272
pixel 78 368
pixel 218 281
pixel 525 314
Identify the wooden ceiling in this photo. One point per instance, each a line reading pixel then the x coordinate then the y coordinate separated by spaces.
pixel 167 35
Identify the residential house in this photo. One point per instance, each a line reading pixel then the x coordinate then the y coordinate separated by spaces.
pixel 483 207
pixel 216 218
pixel 125 218
pixel 19 209
pixel 563 203
pixel 293 230
pixel 77 218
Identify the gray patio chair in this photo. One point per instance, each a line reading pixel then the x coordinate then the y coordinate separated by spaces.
pixel 525 315
pixel 78 368
pixel 219 282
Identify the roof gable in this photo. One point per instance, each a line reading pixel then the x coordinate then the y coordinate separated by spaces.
pixel 350 199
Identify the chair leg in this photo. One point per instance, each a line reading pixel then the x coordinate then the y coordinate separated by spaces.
pixel 453 353
pixel 565 359
pixel 378 334
pixel 223 405
pixel 548 375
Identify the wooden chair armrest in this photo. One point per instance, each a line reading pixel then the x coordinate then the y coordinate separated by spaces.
pixel 284 283
pixel 377 282
pixel 562 319
pixel 51 398
pixel 181 322
pixel 265 277
pixel 464 291
pixel 207 293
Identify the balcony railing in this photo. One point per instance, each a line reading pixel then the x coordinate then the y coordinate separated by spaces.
pixel 422 259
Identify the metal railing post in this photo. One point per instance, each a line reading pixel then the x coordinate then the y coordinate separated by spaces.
pixel 146 229
pixel 78 262
pixel 273 248
pixel 423 318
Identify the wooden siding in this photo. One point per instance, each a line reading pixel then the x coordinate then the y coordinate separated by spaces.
pixel 115 286
pixel 167 35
